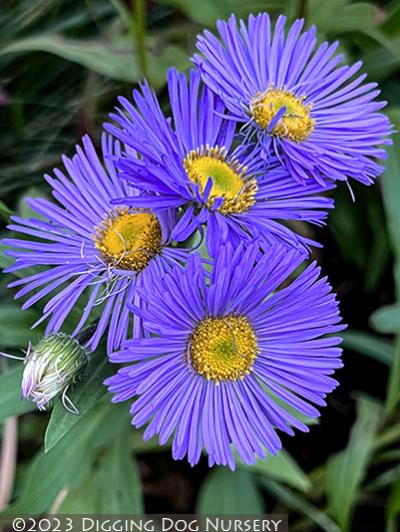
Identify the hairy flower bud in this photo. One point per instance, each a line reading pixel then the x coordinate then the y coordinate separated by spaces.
pixel 51 367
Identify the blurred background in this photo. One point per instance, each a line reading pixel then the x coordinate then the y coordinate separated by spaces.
pixel 62 65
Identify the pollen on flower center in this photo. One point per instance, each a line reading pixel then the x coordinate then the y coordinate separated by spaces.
pixel 295 124
pixel 223 348
pixel 228 176
pixel 129 239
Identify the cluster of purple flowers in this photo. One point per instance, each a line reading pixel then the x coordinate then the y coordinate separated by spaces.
pixel 180 245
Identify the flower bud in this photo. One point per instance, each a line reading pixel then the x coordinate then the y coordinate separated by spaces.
pixel 51 367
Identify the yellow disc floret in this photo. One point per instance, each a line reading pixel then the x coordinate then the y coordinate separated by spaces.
pixel 228 176
pixel 223 348
pixel 295 124
pixel 129 239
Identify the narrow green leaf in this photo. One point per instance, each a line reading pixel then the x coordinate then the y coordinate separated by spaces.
pixel 5 261
pixel 391 24
pixel 393 389
pixel 15 327
pixel 4 210
pixel 385 479
pixel 378 257
pixel 346 469
pixel 229 492
pixel 348 229
pixel 68 463
pixel 390 184
pixel 295 502
pixel 394 115
pixel 116 60
pixel 284 468
pixel 208 11
pixel 118 468
pixel 387 437
pixel 84 395
pixel 122 11
pixel 83 500
pixel 355 17
pixel 340 16
pixel 379 63
pixel 23 209
pixel 393 508
pixel 391 45
pixel 369 344
pixel 393 455
pixel 11 403
pixel 386 319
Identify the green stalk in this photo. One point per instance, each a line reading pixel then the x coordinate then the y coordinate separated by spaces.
pixel 393 390
pixel 138 33
pixel 302 11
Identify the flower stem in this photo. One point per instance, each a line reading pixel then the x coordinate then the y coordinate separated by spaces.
pixel 138 32
pixel 302 8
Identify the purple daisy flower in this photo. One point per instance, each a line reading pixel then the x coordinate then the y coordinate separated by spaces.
pixel 88 250
pixel 191 164
pixel 231 353
pixel 295 100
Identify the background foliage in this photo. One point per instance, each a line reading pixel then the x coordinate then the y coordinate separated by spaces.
pixel 62 64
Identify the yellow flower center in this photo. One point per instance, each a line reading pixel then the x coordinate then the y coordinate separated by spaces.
pixel 228 178
pixel 223 348
pixel 295 124
pixel 129 240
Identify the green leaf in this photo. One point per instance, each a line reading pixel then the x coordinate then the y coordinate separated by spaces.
pixel 346 469
pixel 385 479
pixel 229 492
pixel 68 463
pixel 5 261
pixel 379 63
pixel 307 420
pixel 117 468
pixel 84 395
pixel 391 45
pixel 348 228
pixel 11 403
pixel 115 60
pixel 390 184
pixel 23 208
pixel 295 502
pixel 369 344
pixel 207 12
pixel 281 467
pixel 15 327
pixel 393 389
pixel 355 17
pixel 387 437
pixel 386 319
pixel 140 445
pixel 393 508
pixel 378 257
pixel 83 500
pixel 394 116
pixel 4 210
pixel 340 16
pixel 393 455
